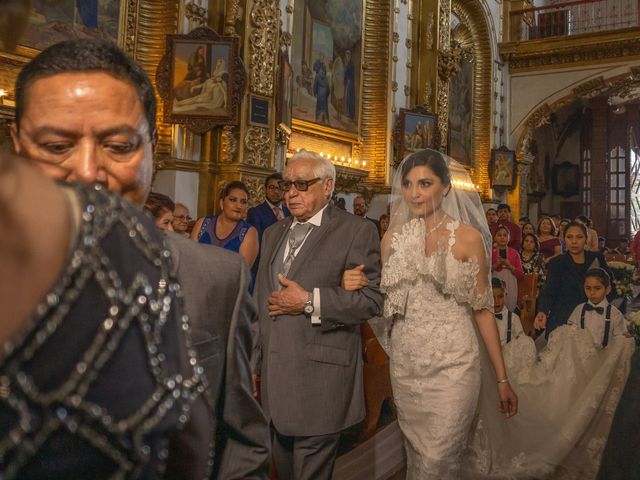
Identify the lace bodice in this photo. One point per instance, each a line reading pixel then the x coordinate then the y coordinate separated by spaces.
pixel 465 280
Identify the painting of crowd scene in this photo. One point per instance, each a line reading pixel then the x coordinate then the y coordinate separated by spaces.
pixel 53 21
pixel 419 132
pixel 200 79
pixel 326 59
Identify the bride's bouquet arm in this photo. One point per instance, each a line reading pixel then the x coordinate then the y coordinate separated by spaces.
pixel 473 246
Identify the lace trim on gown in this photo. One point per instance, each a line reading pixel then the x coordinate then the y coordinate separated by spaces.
pixel 450 276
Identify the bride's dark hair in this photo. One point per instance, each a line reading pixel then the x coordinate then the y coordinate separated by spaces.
pixel 428 158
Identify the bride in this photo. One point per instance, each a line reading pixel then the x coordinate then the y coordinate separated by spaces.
pixel 440 333
pixel 436 277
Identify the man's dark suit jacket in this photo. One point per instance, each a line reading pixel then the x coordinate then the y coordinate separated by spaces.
pixel 215 284
pixel 312 381
pixel 564 289
pixel 262 217
pixel 376 223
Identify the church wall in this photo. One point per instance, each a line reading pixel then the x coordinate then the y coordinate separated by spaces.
pixel 534 89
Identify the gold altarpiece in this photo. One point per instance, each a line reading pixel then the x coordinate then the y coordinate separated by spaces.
pixel 436 60
pixel 244 152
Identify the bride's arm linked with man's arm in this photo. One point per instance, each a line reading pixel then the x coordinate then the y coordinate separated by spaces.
pixel 354 279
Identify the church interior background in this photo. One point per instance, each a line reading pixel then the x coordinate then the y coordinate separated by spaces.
pixel 539 99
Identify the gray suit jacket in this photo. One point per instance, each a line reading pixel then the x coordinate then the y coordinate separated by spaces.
pixel 215 284
pixel 312 376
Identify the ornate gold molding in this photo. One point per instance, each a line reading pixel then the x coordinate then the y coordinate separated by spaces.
pixel 257 144
pixel 228 144
pixel 474 43
pixel 373 145
pixel 147 23
pixel 575 50
pixel 232 17
pixel 263 45
pixel 255 185
pixel 442 97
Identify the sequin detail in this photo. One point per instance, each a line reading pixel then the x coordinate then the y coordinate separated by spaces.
pixel 140 306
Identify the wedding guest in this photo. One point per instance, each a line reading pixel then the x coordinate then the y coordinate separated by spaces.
pixel 361 207
pixel 384 224
pixel 161 209
pixel 84 392
pixel 550 245
pixel 228 229
pixel 603 320
pixel 623 247
pixel 506 265
pixel 592 235
pixel 532 261
pixel 492 217
pixel 602 245
pixel 181 220
pixel 504 219
pixel 635 246
pixel 270 211
pixel 523 220
pixel 509 325
pixel 528 228
pixel 87 96
pixel 564 289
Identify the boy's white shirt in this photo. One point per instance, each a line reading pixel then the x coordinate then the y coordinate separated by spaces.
pixel 594 322
pixel 516 326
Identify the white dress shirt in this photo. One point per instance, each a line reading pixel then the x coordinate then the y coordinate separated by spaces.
pixel 594 322
pixel 316 221
pixel 516 326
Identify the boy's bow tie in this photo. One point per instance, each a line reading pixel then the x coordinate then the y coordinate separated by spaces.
pixel 591 308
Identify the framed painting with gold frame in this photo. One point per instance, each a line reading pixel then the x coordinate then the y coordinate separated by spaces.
pixel 201 80
pixel 415 129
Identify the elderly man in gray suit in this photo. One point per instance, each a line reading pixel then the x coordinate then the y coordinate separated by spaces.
pixel 309 349
pixel 85 112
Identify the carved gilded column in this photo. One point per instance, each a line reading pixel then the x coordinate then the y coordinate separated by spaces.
pixel 424 58
pixel 147 23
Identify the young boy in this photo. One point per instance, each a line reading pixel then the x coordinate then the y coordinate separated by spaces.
pixel 509 325
pixel 598 316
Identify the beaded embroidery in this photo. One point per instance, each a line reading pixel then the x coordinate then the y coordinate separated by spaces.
pixel 148 307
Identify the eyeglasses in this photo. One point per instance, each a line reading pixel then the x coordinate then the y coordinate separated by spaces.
pixel 301 185
pixel 273 187
pixel 182 218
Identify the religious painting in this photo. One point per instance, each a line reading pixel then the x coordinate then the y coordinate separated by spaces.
pixel 502 168
pixel 201 80
pixel 285 90
pixel 566 179
pixel 415 130
pixel 54 21
pixel 460 141
pixel 326 58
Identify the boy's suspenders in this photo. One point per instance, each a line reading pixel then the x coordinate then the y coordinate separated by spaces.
pixel 509 321
pixel 607 323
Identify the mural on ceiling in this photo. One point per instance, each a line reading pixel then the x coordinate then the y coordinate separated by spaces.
pixel 326 59
pixel 54 21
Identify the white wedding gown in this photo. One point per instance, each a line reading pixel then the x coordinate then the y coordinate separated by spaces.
pixel 444 386
pixel 434 352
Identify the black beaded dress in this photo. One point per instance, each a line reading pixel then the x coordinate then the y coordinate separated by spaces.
pixel 102 382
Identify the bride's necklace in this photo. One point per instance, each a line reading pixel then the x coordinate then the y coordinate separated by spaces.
pixel 433 229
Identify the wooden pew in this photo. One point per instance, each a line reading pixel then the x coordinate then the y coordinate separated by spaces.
pixel 377 383
pixel 527 293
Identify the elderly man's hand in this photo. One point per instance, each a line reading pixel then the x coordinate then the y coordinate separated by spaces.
pixel 288 301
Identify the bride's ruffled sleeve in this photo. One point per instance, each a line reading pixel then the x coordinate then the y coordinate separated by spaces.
pixel 482 294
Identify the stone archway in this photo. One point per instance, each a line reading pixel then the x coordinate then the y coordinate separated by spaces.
pixel 541 115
